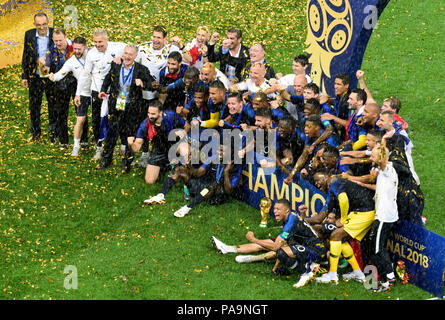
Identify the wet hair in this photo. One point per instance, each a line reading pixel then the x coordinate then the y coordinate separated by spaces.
pixel 264 112
pixel 312 86
pixel 284 202
pixel 191 73
pixel 156 104
pixel 59 31
pixel 217 84
pixel 301 59
pixel 175 55
pixel 237 31
pixel 237 95
pixel 315 103
pixel 361 94
pixel 377 134
pixel 80 40
pixel 344 77
pixel 161 29
pixel 201 88
pixel 394 103
pixel 315 119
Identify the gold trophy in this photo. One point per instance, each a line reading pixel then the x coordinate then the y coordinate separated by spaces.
pixel 265 205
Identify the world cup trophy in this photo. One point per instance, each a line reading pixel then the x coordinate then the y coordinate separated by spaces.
pixel 265 205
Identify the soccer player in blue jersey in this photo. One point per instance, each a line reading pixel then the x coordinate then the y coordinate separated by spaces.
pixel 297 246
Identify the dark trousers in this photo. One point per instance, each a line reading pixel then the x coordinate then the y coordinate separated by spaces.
pixel 121 124
pixel 62 99
pixel 96 105
pixel 37 87
pixel 379 255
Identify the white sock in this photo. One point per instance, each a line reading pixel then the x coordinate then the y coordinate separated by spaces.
pixel 76 143
pixel 259 257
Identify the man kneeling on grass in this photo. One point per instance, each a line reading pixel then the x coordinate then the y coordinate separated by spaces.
pixel 298 246
pixel 212 182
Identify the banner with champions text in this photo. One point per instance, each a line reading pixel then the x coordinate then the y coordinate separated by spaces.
pixel 422 251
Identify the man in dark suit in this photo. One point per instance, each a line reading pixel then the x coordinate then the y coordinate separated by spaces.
pixel 37 43
pixel 232 55
pixel 124 84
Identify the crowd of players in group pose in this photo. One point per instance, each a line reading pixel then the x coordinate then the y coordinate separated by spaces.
pixel 160 98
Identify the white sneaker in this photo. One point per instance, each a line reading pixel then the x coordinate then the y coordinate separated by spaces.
pixel 304 279
pixel 307 276
pixel 330 277
pixel 157 199
pixel 356 275
pixel 98 154
pixel 182 211
pixel 75 152
pixel 221 246
pixel 243 259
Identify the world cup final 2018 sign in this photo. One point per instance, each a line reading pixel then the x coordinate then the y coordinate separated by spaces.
pixel 338 32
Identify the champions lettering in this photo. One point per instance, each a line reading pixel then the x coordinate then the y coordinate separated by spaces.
pixel 408 249
pixel 275 188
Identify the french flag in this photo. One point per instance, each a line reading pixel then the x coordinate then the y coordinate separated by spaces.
pixel 103 120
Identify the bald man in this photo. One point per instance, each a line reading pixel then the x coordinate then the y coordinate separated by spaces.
pixel 256 82
pixel 296 106
pixel 210 73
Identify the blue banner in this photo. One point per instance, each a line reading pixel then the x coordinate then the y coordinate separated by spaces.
pixel 423 252
pixel 337 35
pixel 269 182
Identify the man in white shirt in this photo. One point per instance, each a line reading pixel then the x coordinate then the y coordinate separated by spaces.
pixel 255 83
pixel 75 65
pixel 386 214
pixel 154 55
pixel 97 65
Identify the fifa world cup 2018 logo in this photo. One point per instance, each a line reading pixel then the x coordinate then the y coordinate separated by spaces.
pixel 330 26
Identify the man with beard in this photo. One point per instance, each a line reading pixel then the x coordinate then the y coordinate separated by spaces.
pixel 213 182
pixel 97 65
pixel 171 73
pixel 154 55
pixel 75 65
pixel 157 129
pixel 124 83
pixel 262 146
